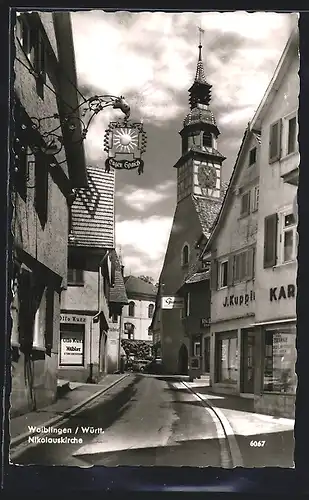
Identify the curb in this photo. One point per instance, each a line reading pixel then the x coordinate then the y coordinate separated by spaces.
pixel 53 422
pixel 236 456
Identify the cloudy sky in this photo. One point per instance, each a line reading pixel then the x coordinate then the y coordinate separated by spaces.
pixel 150 58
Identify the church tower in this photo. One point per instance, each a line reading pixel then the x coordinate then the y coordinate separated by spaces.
pixel 199 198
pixel 199 167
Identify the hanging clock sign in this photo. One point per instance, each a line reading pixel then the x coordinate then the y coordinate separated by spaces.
pixel 124 143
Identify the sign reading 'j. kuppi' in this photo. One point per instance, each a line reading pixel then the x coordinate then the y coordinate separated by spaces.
pixel 239 300
pixel 282 292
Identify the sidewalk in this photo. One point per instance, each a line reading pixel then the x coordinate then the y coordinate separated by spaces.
pixel 78 396
pixel 275 434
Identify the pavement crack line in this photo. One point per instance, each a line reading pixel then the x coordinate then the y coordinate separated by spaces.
pixel 230 453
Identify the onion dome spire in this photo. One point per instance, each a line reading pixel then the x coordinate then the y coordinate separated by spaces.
pixel 200 92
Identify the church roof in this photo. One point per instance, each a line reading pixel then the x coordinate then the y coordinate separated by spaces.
pixel 207 210
pixel 117 292
pixel 138 287
pixel 200 114
pixel 93 211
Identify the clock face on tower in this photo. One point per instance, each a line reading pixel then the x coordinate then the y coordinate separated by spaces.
pixel 207 176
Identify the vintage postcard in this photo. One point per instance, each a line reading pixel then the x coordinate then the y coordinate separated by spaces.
pixel 155 171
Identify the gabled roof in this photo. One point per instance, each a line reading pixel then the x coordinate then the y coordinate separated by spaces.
pixel 253 127
pixel 290 50
pixel 117 292
pixel 93 211
pixel 138 287
pixel 207 211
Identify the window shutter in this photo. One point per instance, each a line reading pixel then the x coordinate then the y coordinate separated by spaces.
pixel 230 270
pixel 275 141
pixel 250 263
pixel 270 240
pixel 214 275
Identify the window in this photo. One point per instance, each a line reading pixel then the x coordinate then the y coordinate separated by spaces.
pixel 252 157
pixel 75 277
pixel 244 265
pixel 280 359
pixel 288 237
pixel 291 135
pixel 270 240
pixel 227 357
pixel 150 310
pixel 245 204
pixel 131 309
pixel 115 318
pixel 185 255
pixel 275 142
pixel 223 274
pixel 255 198
pixel 207 139
pixel 72 341
pixel 25 34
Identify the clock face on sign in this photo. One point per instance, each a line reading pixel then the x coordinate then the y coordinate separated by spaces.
pixel 207 176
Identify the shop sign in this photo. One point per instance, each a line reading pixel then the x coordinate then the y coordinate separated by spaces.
pixel 282 292
pixel 239 300
pixel 71 351
pixel 205 322
pixel 172 302
pixel 72 318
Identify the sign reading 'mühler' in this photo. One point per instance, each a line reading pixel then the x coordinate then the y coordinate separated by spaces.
pixel 72 351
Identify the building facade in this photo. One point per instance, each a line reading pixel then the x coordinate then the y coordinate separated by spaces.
pixel 232 247
pixel 44 85
pixel 86 312
pixel 276 256
pixel 138 313
pixel 253 251
pixel 199 196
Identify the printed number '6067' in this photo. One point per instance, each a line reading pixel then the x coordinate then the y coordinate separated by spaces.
pixel 257 444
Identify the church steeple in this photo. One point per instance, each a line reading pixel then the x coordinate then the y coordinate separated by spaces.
pixel 200 91
pixel 199 167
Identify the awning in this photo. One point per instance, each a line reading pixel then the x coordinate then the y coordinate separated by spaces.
pixel 276 322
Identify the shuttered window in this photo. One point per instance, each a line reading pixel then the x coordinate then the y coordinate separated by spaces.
pixel 244 266
pixel 275 141
pixel 270 240
pixel 245 204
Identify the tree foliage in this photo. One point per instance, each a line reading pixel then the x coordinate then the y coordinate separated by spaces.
pixel 140 349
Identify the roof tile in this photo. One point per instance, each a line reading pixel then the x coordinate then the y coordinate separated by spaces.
pixel 93 211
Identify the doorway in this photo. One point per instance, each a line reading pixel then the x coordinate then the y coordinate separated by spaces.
pixel 207 354
pixel 183 360
pixel 248 356
pixel 102 360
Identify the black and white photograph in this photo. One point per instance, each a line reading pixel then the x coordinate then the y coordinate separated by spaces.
pixel 155 164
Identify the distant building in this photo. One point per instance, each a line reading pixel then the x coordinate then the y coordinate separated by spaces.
pixel 137 315
pixel 253 250
pixel 95 289
pixel 44 85
pixel 199 197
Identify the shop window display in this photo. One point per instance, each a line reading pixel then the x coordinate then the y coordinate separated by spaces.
pixel 280 358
